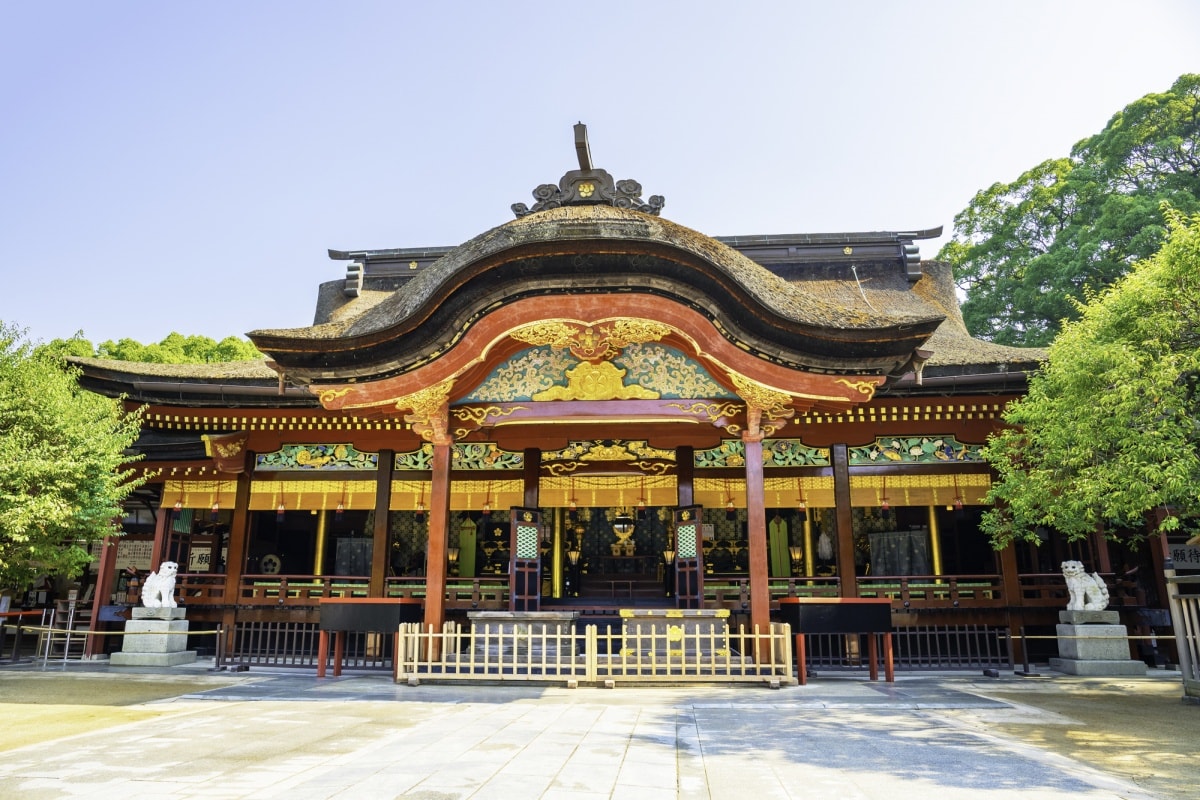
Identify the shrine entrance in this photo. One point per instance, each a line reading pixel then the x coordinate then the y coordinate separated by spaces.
pixel 615 556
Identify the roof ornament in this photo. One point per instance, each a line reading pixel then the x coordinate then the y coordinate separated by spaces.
pixel 589 186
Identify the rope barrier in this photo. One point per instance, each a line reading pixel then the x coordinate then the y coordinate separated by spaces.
pixel 85 632
pixel 1150 636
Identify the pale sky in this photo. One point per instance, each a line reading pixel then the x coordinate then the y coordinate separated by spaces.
pixel 170 166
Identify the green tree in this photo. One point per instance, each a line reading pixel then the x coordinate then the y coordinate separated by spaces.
pixel 63 465
pixel 1110 428
pixel 174 349
pixel 1025 253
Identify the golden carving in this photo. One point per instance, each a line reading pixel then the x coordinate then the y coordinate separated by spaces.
pixel 329 395
pixel 598 341
pixel 555 334
pixel 601 381
pixel 480 414
pixel 587 189
pixel 760 397
pixel 430 410
pixel 714 411
pixel 616 452
pixel 862 387
pixel 427 401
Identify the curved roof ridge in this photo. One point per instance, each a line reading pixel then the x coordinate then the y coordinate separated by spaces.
pixel 786 299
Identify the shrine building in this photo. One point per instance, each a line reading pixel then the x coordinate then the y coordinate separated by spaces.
pixel 590 407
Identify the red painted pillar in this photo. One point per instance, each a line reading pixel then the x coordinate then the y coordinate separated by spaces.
pixel 756 524
pixel 439 528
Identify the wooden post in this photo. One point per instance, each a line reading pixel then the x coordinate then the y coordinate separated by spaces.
pixel 532 476
pixel 685 474
pixel 1103 563
pixel 94 645
pixel 162 526
pixel 756 524
pixel 439 528
pixel 235 559
pixel 845 520
pixel 380 554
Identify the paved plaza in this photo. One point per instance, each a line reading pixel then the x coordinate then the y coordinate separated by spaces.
pixel 103 732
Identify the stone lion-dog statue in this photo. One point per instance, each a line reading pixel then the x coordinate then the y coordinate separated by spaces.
pixel 158 589
pixel 1087 592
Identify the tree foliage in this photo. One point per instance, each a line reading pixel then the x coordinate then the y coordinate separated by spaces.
pixel 63 465
pixel 174 349
pixel 1110 428
pixel 1025 253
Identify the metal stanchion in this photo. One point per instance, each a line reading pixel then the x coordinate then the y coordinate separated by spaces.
pixel 1026 671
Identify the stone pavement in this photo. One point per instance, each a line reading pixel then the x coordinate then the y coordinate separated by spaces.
pixel 264 734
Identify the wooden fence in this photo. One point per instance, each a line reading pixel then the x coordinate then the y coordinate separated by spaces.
pixel 1185 616
pixel 694 654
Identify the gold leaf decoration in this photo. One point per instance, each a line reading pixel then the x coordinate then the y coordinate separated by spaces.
pixel 764 398
pixel 601 381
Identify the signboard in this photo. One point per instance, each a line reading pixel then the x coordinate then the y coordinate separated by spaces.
pixel 198 559
pixel 1185 556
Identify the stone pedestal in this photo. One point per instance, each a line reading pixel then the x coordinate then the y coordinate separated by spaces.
pixel 524 635
pixel 1094 643
pixel 145 649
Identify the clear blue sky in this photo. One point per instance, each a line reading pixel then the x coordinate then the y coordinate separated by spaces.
pixel 184 166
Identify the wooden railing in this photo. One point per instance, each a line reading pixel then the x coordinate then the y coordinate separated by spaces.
pixel 940 591
pixel 298 590
pixel 461 593
pixel 706 654
pixel 1047 588
pixel 200 589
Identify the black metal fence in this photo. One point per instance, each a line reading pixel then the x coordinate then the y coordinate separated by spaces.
pixel 295 644
pixel 925 647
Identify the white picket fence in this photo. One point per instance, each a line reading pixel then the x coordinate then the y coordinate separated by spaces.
pixel 1185 616
pixel 696 654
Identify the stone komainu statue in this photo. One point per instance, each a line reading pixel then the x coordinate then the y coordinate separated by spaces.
pixel 1087 592
pixel 158 589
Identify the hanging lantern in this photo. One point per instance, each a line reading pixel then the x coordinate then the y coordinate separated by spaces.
pixel 885 510
pixel 730 511
pixel 420 515
pixel 280 510
pixel 801 505
pixel 216 511
pixel 339 512
pixel 641 505
pixel 178 507
pixel 487 501
pixel 573 511
pixel 958 503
